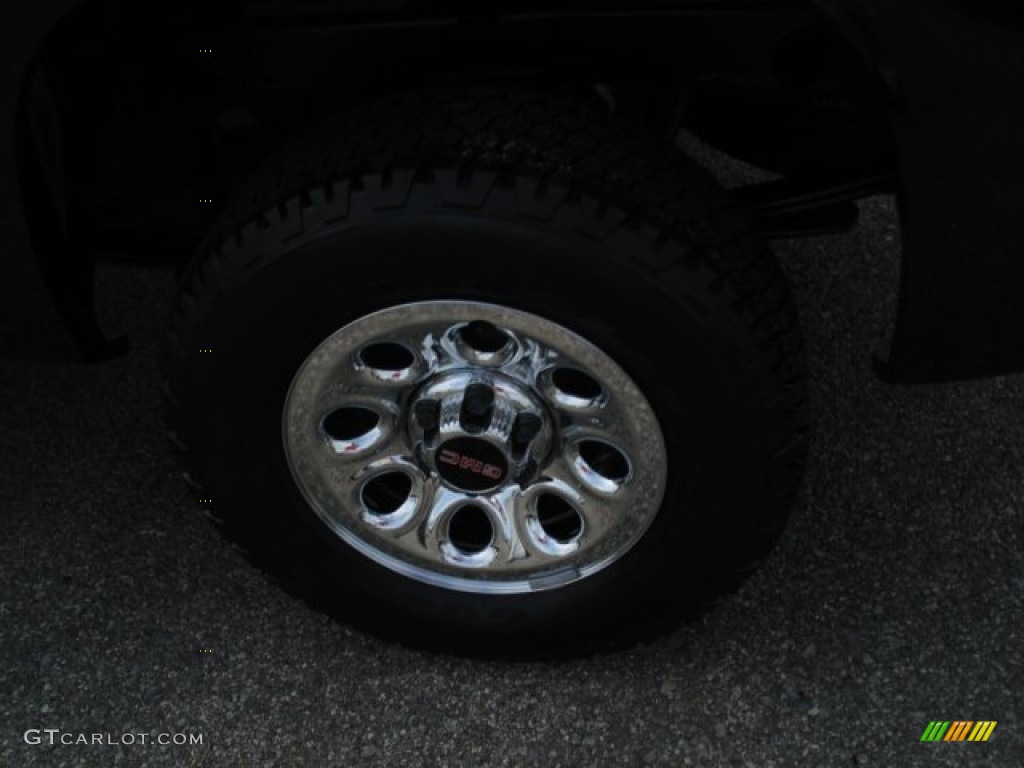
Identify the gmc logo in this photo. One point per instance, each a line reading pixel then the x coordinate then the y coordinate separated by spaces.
pixel 469 463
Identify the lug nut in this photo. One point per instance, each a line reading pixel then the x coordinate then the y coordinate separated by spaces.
pixel 524 429
pixel 428 416
pixel 477 407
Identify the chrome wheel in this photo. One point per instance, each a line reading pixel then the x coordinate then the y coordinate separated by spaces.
pixel 474 447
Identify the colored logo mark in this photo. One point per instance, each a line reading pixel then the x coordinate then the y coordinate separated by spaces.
pixel 958 730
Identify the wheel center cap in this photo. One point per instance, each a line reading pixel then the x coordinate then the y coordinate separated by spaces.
pixel 471 464
pixel 478 430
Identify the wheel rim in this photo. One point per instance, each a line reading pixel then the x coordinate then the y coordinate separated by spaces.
pixel 474 447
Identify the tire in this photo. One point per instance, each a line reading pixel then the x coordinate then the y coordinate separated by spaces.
pixel 480 371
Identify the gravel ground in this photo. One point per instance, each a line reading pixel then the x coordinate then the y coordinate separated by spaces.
pixel 895 597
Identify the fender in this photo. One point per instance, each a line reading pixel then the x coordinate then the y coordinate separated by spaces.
pixel 25 296
pixel 957 74
pixel 961 76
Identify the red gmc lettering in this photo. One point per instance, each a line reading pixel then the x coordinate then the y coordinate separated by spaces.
pixel 469 463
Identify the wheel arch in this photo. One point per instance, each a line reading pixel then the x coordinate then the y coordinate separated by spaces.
pixel 289 59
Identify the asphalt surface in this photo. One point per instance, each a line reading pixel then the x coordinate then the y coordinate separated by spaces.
pixel 894 599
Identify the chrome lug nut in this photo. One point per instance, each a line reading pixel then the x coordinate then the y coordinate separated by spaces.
pixel 477 408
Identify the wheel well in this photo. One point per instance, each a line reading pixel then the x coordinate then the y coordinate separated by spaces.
pixel 177 105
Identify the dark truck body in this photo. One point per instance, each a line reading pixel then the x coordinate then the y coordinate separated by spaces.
pixel 117 120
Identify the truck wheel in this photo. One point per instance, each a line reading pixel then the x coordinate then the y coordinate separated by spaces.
pixel 481 371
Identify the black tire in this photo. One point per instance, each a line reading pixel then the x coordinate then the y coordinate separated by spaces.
pixel 537 202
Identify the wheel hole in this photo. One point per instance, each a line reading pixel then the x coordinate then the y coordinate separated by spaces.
pixel 386 493
pixel 470 530
pixel 576 383
pixel 484 337
pixel 604 459
pixel 558 518
pixel 350 422
pixel 387 356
